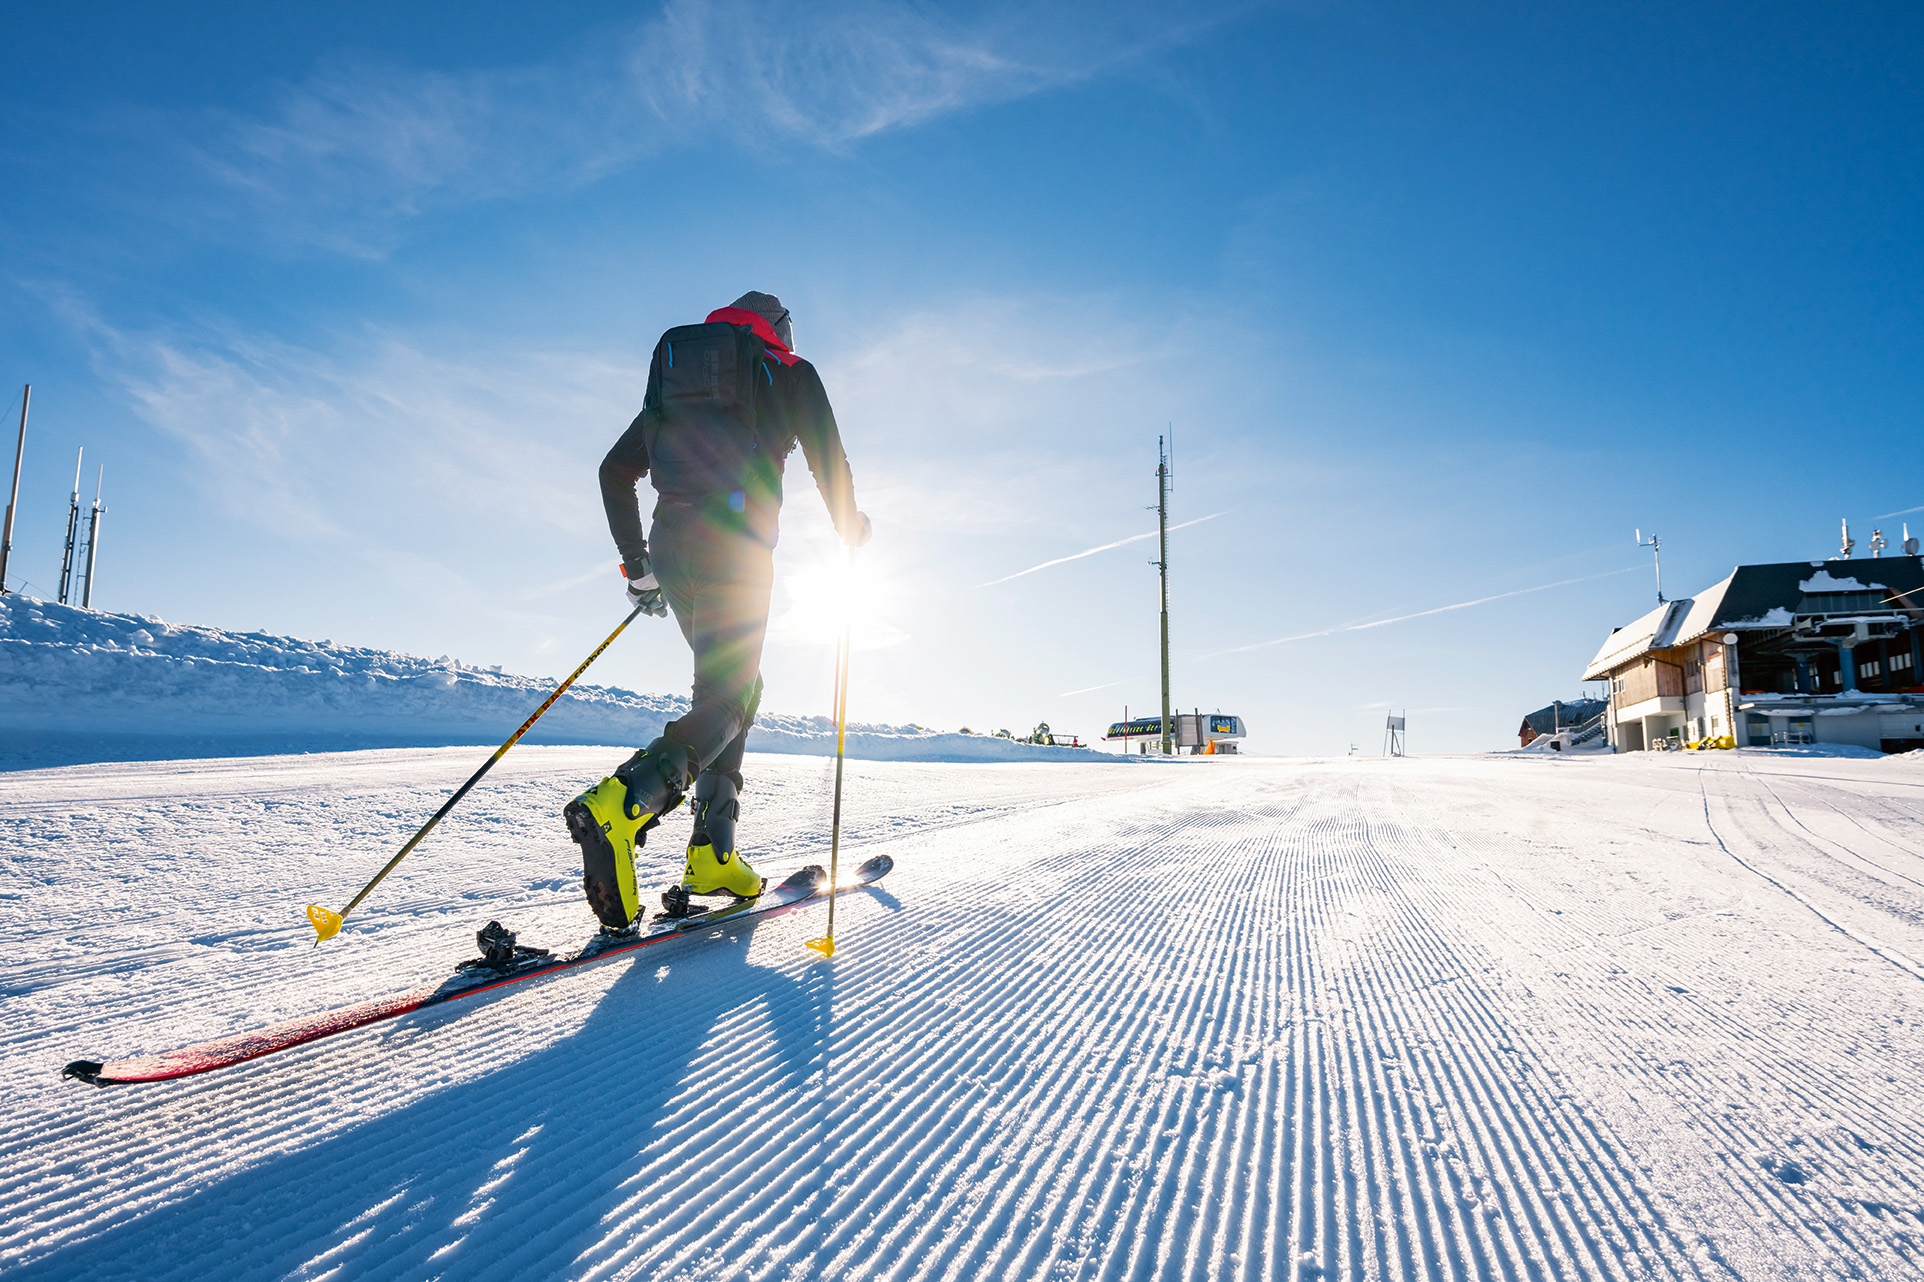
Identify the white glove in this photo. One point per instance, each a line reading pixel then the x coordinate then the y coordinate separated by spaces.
pixel 646 590
pixel 862 533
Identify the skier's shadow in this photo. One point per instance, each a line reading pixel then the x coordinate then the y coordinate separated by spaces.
pixel 812 1195
pixel 572 1154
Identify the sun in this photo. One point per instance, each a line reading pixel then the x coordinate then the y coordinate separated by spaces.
pixel 826 587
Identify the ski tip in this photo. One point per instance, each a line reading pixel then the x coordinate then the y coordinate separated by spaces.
pixel 812 875
pixel 826 947
pixel 326 924
pixel 876 867
pixel 83 1070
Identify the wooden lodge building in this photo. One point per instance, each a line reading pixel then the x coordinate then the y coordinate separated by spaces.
pixel 1801 652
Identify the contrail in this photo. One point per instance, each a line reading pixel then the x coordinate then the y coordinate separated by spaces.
pixel 1077 556
pixel 1087 689
pixel 568 585
pixel 1905 512
pixel 1403 618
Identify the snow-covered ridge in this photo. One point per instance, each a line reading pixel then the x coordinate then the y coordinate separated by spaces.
pixel 67 672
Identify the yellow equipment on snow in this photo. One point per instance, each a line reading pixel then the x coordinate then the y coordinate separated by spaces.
pixel 609 831
pixel 709 871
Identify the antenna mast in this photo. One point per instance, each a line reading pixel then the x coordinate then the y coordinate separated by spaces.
pixel 1656 554
pixel 1162 567
pixel 73 529
pixel 19 452
pixel 93 542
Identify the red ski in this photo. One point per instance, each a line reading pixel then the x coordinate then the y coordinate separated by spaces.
pixel 479 976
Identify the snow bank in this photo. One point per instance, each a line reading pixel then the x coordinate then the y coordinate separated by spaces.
pixel 1840 750
pixel 79 685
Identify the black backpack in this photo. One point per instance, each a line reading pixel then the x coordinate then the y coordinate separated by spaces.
pixel 703 440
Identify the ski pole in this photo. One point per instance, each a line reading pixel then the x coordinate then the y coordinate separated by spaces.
pixel 826 944
pixel 328 924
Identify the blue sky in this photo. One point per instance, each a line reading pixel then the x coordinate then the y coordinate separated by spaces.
pixel 1442 306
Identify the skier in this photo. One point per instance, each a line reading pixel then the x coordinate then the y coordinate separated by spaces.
pixel 727 401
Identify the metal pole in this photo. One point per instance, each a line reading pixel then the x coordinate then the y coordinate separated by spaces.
pixel 93 542
pixel 73 530
pixel 328 924
pixel 1162 565
pixel 19 452
pixel 826 944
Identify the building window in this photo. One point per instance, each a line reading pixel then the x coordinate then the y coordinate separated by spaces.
pixel 1840 602
pixel 1871 669
pixel 1900 662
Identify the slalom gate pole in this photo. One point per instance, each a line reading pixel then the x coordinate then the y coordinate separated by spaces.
pixel 328 924
pixel 826 945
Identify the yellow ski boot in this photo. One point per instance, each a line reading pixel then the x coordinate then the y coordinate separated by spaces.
pixel 713 867
pixel 610 822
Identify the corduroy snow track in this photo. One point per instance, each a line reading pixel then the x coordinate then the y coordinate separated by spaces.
pixel 1505 1017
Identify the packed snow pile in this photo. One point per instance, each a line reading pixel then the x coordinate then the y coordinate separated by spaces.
pixel 83 684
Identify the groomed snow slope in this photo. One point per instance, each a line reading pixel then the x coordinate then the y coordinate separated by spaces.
pixel 85 685
pixel 1505 1017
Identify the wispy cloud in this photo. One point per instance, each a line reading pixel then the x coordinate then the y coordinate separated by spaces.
pixel 1419 614
pixel 1077 556
pixel 360 147
pixel 379 450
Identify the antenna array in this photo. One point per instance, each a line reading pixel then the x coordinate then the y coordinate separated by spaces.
pixel 1656 552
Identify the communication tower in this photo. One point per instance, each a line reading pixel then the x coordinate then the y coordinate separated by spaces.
pixel 19 452
pixel 1162 568
pixel 93 542
pixel 73 530
pixel 1656 555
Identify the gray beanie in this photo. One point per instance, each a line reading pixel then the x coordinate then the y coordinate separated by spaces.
pixel 770 309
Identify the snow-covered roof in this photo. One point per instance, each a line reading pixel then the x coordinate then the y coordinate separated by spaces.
pixel 1755 597
pixel 1654 631
pixel 1825 581
pixel 1704 609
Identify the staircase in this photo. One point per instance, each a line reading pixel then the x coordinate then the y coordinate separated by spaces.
pixel 1592 729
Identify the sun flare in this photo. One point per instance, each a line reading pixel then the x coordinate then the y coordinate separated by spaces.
pixel 828 588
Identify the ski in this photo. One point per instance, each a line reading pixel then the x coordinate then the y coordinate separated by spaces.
pixel 502 963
